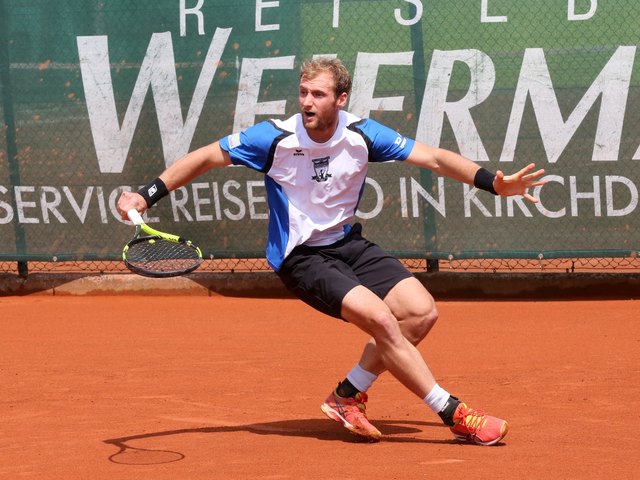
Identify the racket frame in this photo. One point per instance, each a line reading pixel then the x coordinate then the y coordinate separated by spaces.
pixel 153 234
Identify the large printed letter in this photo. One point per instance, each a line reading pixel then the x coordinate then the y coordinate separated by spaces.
pixel 576 195
pixel 610 180
pixel 572 15
pixel 435 105
pixel 260 5
pixel 336 14
pixel 158 70
pixel 540 206
pixel 535 81
pixel 411 21
pixel 8 216
pixel 184 11
pixel 486 18
pixel 364 82
pixel 247 105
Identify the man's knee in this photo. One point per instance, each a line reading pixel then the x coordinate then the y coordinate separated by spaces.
pixel 419 323
pixel 385 328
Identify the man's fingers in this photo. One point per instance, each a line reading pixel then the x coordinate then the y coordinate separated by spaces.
pixel 537 184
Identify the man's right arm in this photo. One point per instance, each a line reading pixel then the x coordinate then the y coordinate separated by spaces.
pixel 194 164
pixel 182 172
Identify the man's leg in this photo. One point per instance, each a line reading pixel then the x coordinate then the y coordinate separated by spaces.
pixel 347 403
pixel 390 350
pixel 416 313
pixel 415 310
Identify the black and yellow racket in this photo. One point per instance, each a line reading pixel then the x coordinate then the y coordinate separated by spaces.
pixel 152 253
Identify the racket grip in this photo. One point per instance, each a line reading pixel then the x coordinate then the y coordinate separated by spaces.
pixel 135 217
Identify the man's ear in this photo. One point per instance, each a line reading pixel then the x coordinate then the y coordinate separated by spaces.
pixel 342 100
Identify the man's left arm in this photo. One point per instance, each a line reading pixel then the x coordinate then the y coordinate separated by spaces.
pixel 452 165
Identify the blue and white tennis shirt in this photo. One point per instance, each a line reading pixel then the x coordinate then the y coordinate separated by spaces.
pixel 313 189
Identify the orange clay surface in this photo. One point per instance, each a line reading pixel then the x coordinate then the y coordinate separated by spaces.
pixel 229 388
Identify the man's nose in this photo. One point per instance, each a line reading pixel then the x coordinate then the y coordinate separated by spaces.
pixel 306 99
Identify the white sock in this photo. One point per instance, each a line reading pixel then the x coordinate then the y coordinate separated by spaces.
pixel 360 378
pixel 437 398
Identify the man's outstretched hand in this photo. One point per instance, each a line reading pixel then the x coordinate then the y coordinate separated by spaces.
pixel 519 182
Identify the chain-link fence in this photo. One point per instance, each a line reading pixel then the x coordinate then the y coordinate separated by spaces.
pixel 100 96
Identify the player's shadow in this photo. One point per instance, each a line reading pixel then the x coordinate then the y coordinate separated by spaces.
pixel 393 431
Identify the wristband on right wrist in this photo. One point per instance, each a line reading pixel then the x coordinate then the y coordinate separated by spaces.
pixel 484 180
pixel 153 192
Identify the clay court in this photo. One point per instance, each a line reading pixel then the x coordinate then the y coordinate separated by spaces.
pixel 214 387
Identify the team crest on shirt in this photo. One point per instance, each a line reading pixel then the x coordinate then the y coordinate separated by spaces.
pixel 321 167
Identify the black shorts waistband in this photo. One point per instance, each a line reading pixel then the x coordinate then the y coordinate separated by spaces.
pixel 355 231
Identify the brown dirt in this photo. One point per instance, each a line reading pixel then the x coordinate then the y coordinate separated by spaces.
pixel 197 388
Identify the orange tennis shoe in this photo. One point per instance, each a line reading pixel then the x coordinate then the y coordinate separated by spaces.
pixel 351 413
pixel 473 426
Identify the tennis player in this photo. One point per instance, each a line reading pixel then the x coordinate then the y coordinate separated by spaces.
pixel 315 164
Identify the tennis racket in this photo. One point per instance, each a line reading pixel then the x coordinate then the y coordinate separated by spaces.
pixel 157 254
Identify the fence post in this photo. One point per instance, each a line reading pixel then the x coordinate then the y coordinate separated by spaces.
pixel 426 177
pixel 10 130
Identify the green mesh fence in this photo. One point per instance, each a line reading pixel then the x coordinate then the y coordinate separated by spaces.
pixel 100 96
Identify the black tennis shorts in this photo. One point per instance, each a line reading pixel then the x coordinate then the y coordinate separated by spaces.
pixel 322 276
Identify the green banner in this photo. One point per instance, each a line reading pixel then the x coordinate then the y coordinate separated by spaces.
pixel 100 96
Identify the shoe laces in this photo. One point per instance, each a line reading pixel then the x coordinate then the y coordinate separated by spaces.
pixel 472 420
pixel 360 399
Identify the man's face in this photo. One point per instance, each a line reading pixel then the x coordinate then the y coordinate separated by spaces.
pixel 319 106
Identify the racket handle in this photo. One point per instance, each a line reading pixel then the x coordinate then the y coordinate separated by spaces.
pixel 135 217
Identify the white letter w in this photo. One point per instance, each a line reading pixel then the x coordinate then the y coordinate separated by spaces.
pixel 158 69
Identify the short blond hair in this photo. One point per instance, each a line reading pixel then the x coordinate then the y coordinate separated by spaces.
pixel 314 67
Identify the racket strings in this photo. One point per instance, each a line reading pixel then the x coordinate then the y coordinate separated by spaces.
pixel 159 255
